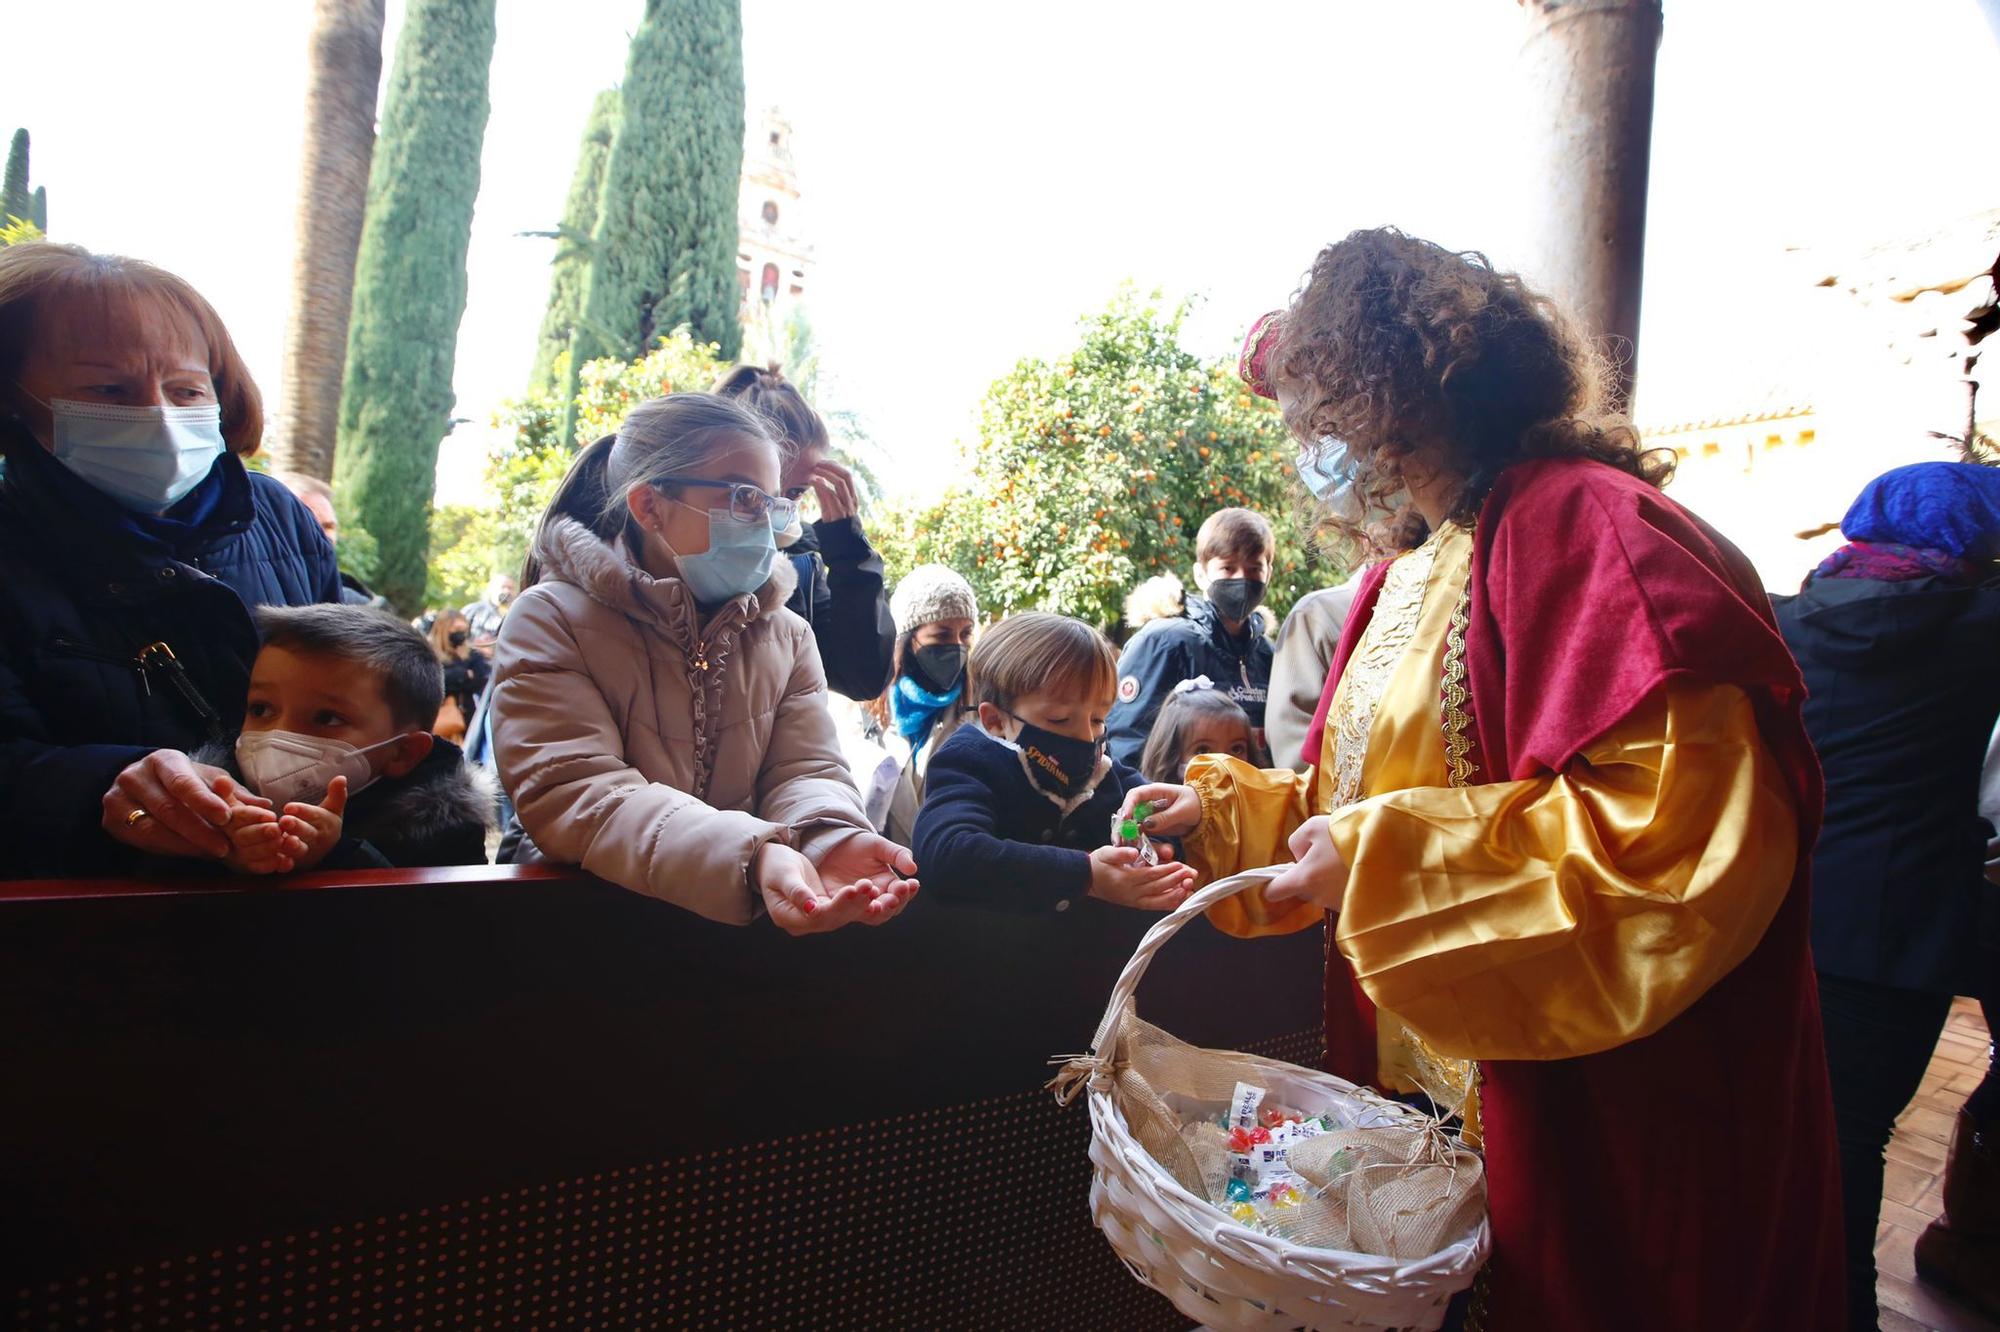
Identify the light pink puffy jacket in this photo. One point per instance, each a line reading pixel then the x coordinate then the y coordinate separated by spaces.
pixel 655 751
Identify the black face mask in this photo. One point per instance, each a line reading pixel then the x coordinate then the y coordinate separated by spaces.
pixel 458 637
pixel 938 667
pixel 1235 598
pixel 1062 765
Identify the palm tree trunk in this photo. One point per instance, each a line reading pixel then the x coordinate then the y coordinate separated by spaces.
pixel 346 72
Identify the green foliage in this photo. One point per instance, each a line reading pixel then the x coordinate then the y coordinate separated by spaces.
pixel 356 551
pixel 15 201
pixel 570 269
pixel 38 209
pixel 409 285
pixel 468 546
pixel 664 252
pixel 1093 472
pixel 524 471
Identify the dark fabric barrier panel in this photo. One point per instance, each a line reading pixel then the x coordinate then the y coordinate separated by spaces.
pixel 534 1103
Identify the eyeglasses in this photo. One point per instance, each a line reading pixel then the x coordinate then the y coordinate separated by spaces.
pixel 746 501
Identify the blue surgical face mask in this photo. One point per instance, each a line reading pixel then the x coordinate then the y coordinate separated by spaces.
pixel 739 558
pixel 1328 472
pixel 146 458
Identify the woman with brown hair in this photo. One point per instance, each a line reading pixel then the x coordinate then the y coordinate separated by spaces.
pixel 1562 817
pixel 133 546
pixel 841 592
pixel 465 672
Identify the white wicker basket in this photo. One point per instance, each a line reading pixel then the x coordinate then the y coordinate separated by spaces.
pixel 1227 1275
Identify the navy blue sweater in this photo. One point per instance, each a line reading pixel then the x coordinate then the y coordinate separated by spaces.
pixel 987 836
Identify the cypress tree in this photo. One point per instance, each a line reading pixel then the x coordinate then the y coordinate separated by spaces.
pixel 14 199
pixel 38 209
pixel 665 249
pixel 409 284
pixel 570 269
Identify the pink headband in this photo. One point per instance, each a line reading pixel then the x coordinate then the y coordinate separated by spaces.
pixel 1254 367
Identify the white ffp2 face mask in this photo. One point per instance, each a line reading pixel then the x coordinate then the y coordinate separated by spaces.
pixel 146 458
pixel 285 767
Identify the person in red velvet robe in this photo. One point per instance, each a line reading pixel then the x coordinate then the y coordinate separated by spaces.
pixel 1561 813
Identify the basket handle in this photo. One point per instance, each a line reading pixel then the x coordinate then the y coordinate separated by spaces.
pixel 1104 1046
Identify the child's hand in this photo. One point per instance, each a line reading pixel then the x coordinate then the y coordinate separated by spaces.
pixel 258 843
pixel 1176 809
pixel 794 898
pixel 872 863
pixel 316 827
pixel 1116 875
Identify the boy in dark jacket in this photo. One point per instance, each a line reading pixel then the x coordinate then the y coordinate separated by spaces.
pixel 1218 636
pixel 1018 809
pixel 336 750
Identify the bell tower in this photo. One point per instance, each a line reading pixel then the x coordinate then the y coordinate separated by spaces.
pixel 772 255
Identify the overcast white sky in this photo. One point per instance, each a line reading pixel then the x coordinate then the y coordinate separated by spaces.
pixel 977 176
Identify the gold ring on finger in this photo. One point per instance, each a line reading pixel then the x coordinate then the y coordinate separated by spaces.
pixel 135 816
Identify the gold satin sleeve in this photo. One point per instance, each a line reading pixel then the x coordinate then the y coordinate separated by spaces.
pixel 1248 816
pixel 1569 914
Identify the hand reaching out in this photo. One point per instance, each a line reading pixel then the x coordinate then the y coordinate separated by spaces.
pixel 258 843
pixel 317 827
pixel 265 842
pixel 858 878
pixel 1117 875
pixel 1176 809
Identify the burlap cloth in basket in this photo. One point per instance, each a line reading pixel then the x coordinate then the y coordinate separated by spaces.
pixel 1398 1190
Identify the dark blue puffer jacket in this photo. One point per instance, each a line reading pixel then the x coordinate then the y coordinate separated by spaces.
pixel 83 594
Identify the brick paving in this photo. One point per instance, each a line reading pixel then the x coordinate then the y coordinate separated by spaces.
pixel 1911 1188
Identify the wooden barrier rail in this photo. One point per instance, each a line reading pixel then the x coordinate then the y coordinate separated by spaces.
pixel 520 1098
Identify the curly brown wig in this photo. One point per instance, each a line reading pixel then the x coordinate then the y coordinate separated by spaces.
pixel 1397 345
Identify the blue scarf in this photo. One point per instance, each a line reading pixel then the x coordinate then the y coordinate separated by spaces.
pixel 1952 507
pixel 915 709
pixel 220 504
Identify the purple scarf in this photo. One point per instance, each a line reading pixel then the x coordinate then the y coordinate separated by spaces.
pixel 1890 562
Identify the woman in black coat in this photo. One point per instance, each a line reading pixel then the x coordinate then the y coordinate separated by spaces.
pixel 1898 634
pixel 133 543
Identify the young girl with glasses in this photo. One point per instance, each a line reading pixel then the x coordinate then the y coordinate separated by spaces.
pixel 659 718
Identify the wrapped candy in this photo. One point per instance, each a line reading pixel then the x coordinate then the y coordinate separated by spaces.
pixel 1259 1175
pixel 1127 832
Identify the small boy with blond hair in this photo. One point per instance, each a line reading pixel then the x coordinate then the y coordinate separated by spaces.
pixel 1019 804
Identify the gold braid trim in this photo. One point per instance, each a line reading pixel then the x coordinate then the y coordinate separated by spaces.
pixel 1459 767
pixel 1458 1078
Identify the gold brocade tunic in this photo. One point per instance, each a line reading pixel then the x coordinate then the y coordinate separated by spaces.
pixel 1553 916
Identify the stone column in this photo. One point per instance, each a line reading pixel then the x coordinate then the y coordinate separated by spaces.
pixel 1588 68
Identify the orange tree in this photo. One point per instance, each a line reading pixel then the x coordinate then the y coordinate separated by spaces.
pixel 1092 472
